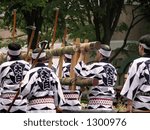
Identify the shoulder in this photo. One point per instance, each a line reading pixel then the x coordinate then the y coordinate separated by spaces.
pixel 140 60
pixel 24 62
pixel 6 63
pixel 66 65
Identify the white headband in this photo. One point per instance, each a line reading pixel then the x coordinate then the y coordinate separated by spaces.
pixel 14 53
pixel 68 56
pixel 34 55
pixel 146 47
pixel 104 52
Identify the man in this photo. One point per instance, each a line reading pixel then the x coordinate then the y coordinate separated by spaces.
pixel 41 87
pixel 41 44
pixel 72 97
pixel 11 74
pixel 100 96
pixel 137 86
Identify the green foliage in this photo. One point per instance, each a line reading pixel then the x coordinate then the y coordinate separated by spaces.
pixel 22 42
pixel 122 27
pixel 2 24
pixel 83 32
pixel 79 15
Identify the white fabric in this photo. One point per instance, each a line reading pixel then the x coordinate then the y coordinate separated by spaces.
pixel 14 53
pixel 138 83
pixel 68 56
pixel 10 78
pixel 104 52
pixel 146 47
pixel 34 55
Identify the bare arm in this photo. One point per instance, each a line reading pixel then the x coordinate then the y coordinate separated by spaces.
pixel 129 105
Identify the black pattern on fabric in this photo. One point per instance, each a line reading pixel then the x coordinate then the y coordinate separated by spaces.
pixel 11 74
pixel 17 68
pixel 72 97
pixel 137 84
pixel 42 82
pixel 44 75
pixel 107 76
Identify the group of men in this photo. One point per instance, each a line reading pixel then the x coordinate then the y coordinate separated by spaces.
pixel 39 88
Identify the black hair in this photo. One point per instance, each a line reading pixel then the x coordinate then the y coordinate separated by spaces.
pixel 14 46
pixel 145 39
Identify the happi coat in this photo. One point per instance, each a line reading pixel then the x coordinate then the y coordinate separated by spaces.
pixel 72 97
pixel 11 74
pixel 100 96
pixel 42 88
pixel 137 85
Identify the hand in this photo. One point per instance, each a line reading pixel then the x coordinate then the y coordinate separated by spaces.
pixel 82 50
pixel 129 108
pixel 58 110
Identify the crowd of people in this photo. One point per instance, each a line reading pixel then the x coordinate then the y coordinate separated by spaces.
pixel 35 87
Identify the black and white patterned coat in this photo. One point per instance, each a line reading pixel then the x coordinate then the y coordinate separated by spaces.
pixel 42 88
pixel 11 74
pixel 101 96
pixel 72 97
pixel 137 85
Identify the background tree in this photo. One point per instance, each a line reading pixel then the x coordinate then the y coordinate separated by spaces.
pixel 29 13
pixel 139 12
pixel 87 19
pixel 92 19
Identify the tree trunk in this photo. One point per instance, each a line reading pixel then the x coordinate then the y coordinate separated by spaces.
pixel 97 27
pixel 33 18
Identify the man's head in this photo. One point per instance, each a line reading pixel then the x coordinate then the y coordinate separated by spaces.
pixel 14 49
pixel 67 58
pixel 104 52
pixel 35 54
pixel 144 44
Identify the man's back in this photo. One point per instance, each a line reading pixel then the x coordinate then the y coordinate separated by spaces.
pixel 100 96
pixel 42 88
pixel 11 74
pixel 136 87
pixel 72 96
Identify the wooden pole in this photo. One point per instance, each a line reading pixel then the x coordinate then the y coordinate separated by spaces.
pixel 79 81
pixel 30 41
pixel 53 36
pixel 43 47
pixel 35 61
pixel 38 39
pixel 86 55
pixel 55 28
pixel 63 50
pixel 61 58
pixel 14 25
pixel 74 62
pixel 17 94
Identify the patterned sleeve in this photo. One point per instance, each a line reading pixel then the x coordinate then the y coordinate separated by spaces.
pixel 131 83
pixel 0 77
pixel 4 69
pixel 58 94
pixel 27 84
pixel 66 70
pixel 89 71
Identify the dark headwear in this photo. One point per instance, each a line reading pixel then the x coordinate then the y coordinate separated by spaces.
pixel 145 41
pixel 14 49
pixel 36 52
pixel 105 50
